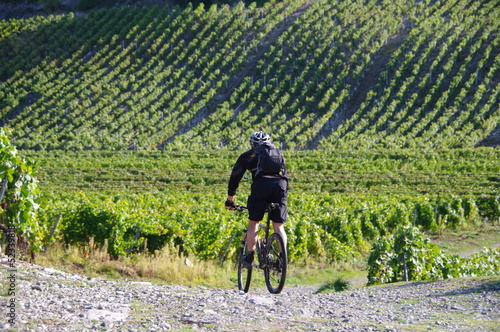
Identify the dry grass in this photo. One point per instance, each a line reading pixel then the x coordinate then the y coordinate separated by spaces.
pixel 164 266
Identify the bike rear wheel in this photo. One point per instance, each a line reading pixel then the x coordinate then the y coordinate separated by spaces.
pixel 275 270
pixel 244 274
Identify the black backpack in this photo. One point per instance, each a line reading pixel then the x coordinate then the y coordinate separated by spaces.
pixel 270 160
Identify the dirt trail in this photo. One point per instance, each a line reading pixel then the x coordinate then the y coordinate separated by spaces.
pixel 51 300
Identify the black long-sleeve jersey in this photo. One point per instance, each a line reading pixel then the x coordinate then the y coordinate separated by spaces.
pixel 246 161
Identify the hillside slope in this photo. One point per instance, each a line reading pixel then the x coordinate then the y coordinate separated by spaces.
pixel 316 74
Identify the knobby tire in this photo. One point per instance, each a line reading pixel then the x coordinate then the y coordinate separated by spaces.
pixel 244 274
pixel 275 270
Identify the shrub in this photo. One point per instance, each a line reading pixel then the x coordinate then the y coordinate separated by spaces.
pixel 408 255
pixel 19 197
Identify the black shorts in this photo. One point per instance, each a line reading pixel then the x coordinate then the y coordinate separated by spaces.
pixel 265 191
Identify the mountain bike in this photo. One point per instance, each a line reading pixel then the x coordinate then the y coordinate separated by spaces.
pixel 271 256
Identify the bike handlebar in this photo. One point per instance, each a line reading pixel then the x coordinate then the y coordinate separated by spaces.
pixel 240 208
pixel 269 207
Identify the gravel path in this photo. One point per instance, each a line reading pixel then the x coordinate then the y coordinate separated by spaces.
pixel 50 300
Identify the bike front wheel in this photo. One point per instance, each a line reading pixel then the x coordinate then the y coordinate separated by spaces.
pixel 275 269
pixel 244 274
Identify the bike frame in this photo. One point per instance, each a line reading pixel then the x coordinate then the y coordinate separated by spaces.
pixel 271 255
pixel 261 243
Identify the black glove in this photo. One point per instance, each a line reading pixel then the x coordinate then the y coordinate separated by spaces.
pixel 230 204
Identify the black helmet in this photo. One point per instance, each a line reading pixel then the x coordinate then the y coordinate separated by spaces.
pixel 258 138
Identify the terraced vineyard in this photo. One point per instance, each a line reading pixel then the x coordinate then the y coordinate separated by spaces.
pixel 317 74
pixel 385 172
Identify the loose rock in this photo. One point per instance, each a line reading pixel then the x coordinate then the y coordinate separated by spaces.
pixel 51 300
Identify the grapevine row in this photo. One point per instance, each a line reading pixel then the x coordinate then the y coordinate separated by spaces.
pixel 165 77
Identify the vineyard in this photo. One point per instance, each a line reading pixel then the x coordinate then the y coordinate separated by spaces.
pixel 387 113
pixel 339 203
pixel 317 74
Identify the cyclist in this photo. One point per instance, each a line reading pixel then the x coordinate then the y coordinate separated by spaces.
pixel 266 188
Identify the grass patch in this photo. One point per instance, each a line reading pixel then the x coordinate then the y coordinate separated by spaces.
pixel 338 285
pixel 163 267
pixel 468 240
pixel 317 272
pixel 166 266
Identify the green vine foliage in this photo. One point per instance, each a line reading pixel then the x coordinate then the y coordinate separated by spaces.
pixel 423 260
pixel 20 194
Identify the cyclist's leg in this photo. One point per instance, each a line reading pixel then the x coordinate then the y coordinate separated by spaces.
pixel 253 227
pixel 280 229
pixel 257 202
pixel 280 214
